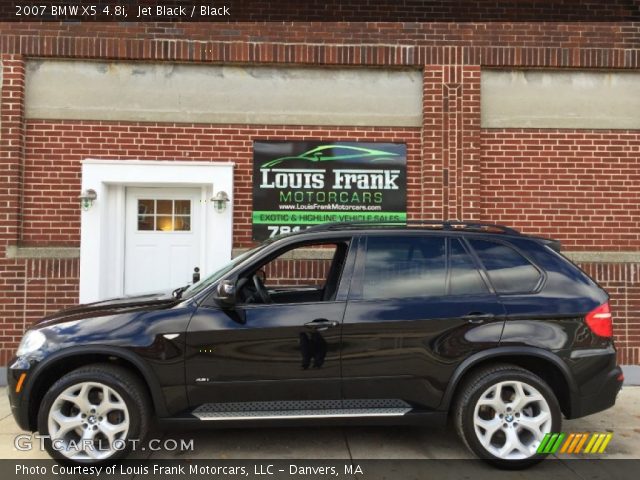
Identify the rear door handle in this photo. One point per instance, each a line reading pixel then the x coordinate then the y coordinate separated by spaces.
pixel 320 324
pixel 478 317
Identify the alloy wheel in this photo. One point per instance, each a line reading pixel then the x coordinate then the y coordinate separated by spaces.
pixel 88 421
pixel 510 420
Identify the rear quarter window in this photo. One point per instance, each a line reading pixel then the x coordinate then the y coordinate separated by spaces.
pixel 508 270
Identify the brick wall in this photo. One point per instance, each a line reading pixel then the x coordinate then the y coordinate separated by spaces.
pixel 31 289
pixel 580 187
pixel 165 39
pixel 553 44
pixel 282 272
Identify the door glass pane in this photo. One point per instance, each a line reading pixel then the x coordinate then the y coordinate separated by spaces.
pixel 145 222
pixel 465 278
pixel 182 223
pixel 146 207
pixel 164 223
pixel 404 267
pixel 182 207
pixel 164 207
pixel 508 271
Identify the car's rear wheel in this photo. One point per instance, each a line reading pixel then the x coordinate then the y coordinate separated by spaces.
pixel 92 414
pixel 502 414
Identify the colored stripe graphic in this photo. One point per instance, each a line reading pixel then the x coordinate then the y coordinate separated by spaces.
pixel 551 442
pixel 570 439
pixel 561 437
pixel 584 439
pixel 572 443
pixel 592 441
pixel 606 441
pixel 543 443
pixel 578 439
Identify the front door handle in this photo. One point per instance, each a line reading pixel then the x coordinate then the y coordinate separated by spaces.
pixel 320 324
pixel 478 317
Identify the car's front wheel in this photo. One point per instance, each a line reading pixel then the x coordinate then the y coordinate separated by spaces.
pixel 93 414
pixel 502 414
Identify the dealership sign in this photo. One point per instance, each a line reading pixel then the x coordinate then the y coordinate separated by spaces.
pixel 300 184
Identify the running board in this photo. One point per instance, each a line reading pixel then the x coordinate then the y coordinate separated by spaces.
pixel 302 409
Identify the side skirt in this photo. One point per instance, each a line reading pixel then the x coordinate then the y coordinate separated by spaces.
pixel 303 413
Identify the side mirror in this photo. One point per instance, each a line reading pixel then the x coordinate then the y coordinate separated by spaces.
pixel 226 293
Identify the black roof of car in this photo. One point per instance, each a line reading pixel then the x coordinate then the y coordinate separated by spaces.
pixel 425 224
pixel 443 225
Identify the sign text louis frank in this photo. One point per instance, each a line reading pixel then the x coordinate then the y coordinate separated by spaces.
pixel 342 179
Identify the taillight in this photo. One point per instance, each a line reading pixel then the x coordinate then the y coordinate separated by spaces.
pixel 599 321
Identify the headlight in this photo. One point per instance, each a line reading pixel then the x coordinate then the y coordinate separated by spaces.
pixel 32 341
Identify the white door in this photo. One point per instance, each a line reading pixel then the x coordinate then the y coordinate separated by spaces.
pixel 162 238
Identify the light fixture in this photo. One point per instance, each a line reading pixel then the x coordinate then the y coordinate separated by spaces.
pixel 87 197
pixel 220 201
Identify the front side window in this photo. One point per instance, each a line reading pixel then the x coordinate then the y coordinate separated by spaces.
pixel 404 267
pixel 308 273
pixel 508 271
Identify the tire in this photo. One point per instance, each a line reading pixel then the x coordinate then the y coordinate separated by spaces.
pixel 502 413
pixel 66 415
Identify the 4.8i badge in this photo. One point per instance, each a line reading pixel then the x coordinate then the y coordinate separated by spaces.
pixel 299 184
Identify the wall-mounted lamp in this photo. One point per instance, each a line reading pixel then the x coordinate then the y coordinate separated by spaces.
pixel 87 197
pixel 220 201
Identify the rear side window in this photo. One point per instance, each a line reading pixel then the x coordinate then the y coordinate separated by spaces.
pixel 464 276
pixel 508 271
pixel 404 267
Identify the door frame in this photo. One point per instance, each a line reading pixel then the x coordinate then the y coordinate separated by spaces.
pixel 102 230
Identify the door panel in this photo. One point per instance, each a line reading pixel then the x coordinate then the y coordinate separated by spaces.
pixel 272 356
pixel 162 238
pixel 412 346
pixel 274 351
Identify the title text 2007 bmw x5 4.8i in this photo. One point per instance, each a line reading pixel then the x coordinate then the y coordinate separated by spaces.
pixel 477 323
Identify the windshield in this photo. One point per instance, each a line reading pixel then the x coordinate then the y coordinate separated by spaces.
pixel 217 275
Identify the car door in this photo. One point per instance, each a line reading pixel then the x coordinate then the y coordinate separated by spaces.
pixel 282 351
pixel 418 306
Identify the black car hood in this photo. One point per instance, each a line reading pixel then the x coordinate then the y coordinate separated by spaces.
pixel 151 301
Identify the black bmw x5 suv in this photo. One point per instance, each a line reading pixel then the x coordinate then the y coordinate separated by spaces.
pixel 340 324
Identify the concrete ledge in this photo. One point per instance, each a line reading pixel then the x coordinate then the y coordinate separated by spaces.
pixel 13 251
pixel 195 93
pixel 604 257
pixel 298 254
pixel 631 374
pixel 560 99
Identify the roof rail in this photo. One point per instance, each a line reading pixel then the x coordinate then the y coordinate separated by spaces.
pixel 442 224
pixel 348 225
